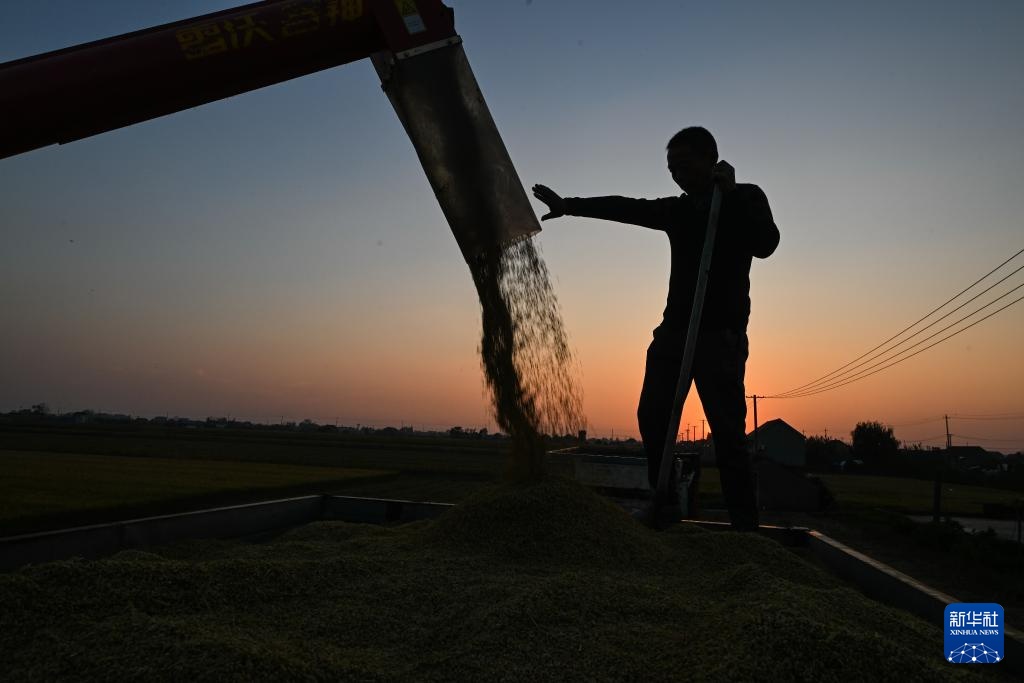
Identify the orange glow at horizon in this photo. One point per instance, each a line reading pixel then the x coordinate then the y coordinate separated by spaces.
pixel 419 372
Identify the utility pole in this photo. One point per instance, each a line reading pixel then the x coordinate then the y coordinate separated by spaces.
pixel 755 425
pixel 826 433
pixel 937 492
pixel 702 429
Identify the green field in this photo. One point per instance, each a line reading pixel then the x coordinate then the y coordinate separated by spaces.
pixel 433 454
pixel 60 485
pixel 912 495
pixel 896 494
pixel 38 484
pixel 59 476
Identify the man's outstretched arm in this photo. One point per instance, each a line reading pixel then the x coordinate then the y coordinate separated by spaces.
pixel 648 213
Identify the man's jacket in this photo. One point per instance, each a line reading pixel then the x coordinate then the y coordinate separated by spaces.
pixel 745 230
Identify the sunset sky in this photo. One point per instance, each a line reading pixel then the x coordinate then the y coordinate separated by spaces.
pixel 280 254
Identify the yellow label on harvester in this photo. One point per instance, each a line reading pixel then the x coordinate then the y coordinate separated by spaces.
pixel 252 30
pixel 411 15
pixel 346 10
pixel 406 7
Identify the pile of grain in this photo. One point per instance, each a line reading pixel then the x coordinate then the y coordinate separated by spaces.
pixel 469 596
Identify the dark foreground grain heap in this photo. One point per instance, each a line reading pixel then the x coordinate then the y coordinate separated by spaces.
pixel 528 365
pixel 521 582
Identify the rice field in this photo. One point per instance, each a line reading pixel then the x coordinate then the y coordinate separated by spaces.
pixel 39 485
pixel 912 495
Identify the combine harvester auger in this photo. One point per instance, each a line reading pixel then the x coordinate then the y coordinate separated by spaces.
pixel 80 91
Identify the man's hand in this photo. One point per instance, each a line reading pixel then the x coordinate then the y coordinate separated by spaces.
pixel 556 205
pixel 724 175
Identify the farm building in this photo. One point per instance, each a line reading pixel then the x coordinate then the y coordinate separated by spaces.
pixel 781 442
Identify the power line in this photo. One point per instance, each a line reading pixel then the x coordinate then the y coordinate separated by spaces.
pixel 861 374
pixel 832 383
pixel 929 325
pixel 1012 439
pixel 820 384
pixel 927 438
pixel 919 422
pixel 988 417
pixel 909 327
pixel 939 418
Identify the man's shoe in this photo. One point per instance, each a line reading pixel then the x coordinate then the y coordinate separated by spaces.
pixel 659 517
pixel 743 520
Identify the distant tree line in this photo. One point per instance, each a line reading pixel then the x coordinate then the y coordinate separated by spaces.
pixel 41 414
pixel 876 450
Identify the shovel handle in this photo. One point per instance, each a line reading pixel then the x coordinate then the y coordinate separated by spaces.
pixel 683 383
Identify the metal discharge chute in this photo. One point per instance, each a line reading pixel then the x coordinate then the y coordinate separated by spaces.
pixel 444 113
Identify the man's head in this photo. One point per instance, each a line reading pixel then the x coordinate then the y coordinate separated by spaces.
pixel 692 154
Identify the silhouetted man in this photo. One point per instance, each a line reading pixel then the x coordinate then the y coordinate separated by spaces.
pixel 745 229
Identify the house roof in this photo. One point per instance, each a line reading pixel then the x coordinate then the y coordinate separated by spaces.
pixel 975 451
pixel 778 425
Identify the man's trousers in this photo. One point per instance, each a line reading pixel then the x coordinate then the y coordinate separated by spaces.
pixel 718 369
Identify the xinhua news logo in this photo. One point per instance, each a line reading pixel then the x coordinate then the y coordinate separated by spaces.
pixel 974 633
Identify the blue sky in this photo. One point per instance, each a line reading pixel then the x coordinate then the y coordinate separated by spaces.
pixel 280 252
